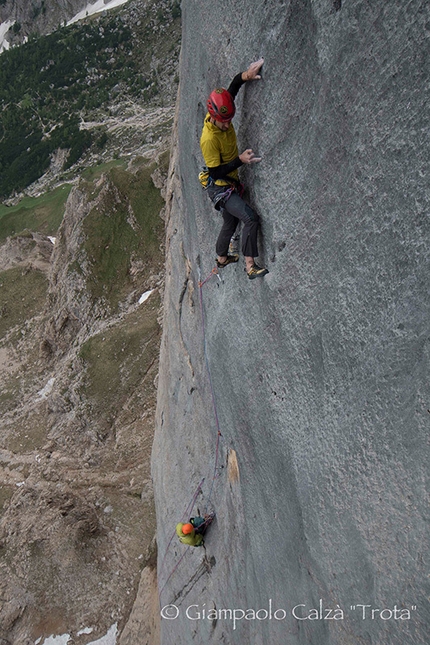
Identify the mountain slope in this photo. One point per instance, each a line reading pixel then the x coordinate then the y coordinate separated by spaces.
pixel 79 359
pixel 53 87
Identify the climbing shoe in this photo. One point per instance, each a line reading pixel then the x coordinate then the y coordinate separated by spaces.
pixel 230 260
pixel 256 272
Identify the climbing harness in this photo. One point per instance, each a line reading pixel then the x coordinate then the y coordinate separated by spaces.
pixel 235 186
pixel 223 197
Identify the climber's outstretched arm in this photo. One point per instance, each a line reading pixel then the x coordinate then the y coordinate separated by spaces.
pixel 251 74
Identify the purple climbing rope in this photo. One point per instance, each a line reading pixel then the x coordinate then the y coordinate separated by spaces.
pixel 171 573
pixel 219 435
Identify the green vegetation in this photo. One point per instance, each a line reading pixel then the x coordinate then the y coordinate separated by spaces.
pixel 94 172
pixel 125 225
pixel 44 84
pixel 8 394
pixel 163 162
pixel 6 493
pixel 43 214
pixel 22 294
pixel 51 82
pixel 176 9
pixel 118 359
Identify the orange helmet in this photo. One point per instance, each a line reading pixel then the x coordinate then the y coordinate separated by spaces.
pixel 187 528
pixel 220 105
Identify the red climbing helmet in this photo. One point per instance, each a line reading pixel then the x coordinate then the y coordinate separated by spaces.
pixel 220 105
pixel 187 528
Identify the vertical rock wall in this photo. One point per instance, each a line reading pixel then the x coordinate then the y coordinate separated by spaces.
pixel 319 372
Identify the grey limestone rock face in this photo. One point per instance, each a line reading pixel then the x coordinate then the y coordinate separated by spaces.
pixel 319 371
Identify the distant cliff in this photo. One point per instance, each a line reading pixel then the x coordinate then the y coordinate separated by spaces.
pixel 319 372
pixel 40 16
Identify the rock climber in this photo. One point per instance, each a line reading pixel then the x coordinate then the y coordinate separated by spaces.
pixel 187 534
pixel 221 178
pixel 191 532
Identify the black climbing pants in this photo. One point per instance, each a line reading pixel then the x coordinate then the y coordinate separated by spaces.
pixel 233 210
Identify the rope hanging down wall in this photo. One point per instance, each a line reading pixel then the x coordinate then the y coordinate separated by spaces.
pixel 187 511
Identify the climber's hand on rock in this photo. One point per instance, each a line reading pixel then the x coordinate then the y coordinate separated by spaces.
pixel 251 73
pixel 249 157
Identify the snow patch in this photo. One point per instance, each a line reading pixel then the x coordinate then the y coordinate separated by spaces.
pixel 108 639
pixel 100 5
pixel 145 296
pixel 57 640
pixel 43 393
pixel 4 28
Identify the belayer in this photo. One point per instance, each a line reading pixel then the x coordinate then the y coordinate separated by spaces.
pixel 191 533
pixel 221 178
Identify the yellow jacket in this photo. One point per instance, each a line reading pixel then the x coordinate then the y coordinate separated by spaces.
pixel 219 147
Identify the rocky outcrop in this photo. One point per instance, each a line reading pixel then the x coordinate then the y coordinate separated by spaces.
pixel 28 250
pixel 39 17
pixel 318 373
